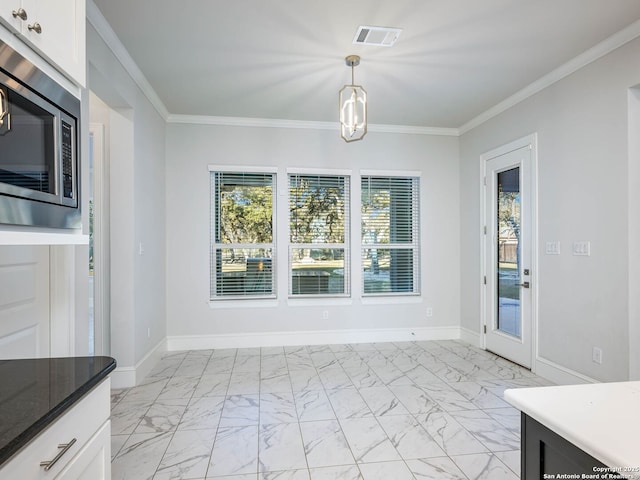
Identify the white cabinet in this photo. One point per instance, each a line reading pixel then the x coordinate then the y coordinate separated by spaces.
pixel 56 29
pixel 79 442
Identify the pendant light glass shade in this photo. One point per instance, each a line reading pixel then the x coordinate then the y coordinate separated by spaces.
pixel 353 107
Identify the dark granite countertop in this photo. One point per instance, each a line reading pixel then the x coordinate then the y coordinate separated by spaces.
pixel 35 392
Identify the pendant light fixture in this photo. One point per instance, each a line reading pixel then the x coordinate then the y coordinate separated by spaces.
pixel 353 106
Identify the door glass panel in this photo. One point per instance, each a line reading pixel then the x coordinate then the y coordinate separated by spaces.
pixel 91 247
pixel 508 235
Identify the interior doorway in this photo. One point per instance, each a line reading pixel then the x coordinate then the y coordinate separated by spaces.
pixel 99 271
pixel 509 267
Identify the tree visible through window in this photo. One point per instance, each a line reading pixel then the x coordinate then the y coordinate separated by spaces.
pixel 318 229
pixel 242 251
pixel 390 235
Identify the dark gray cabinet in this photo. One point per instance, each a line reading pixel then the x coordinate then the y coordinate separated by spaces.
pixel 544 452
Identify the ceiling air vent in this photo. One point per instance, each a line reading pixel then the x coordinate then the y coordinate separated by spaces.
pixel 378 36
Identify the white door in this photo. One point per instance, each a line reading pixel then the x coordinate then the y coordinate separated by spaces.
pixel 508 253
pixel 24 302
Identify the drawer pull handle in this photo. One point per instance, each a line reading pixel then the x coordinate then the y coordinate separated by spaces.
pixel 64 446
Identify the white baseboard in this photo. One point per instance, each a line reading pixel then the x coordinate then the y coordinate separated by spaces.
pixel 323 337
pixel 558 374
pixel 471 337
pixel 125 377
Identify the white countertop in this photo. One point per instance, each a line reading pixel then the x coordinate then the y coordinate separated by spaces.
pixel 602 419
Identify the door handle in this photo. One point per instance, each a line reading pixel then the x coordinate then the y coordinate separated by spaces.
pixel 524 284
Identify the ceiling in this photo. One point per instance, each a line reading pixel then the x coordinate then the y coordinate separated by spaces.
pixel 284 59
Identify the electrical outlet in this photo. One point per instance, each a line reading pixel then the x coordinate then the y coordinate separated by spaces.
pixel 429 312
pixel 325 314
pixel 597 355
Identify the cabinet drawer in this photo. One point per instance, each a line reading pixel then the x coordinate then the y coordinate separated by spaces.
pixel 93 462
pixel 81 422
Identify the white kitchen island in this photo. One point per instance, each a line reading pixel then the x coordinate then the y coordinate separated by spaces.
pixel 579 429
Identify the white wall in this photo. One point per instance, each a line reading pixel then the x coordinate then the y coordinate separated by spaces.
pixel 137 217
pixel 581 123
pixel 191 148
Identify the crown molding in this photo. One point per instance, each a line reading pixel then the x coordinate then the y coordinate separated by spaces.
pixel 249 122
pixel 97 20
pixel 413 130
pixel 600 50
pixel 277 123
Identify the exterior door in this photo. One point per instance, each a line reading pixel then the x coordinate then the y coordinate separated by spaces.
pixel 508 281
pixel 24 302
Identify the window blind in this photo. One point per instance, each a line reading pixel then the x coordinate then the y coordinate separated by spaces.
pixel 242 240
pixel 318 235
pixel 390 235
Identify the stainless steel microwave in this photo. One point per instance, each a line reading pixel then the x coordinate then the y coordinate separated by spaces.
pixel 39 145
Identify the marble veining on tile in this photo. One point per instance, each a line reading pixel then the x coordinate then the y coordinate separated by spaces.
pixel 372 411
pixel 368 440
pixel 202 412
pixel 484 466
pixel 325 444
pixel 187 455
pixel 382 401
pixel 235 451
pixel 280 448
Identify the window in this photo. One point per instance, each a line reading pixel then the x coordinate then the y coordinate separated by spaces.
pixel 390 235
pixel 242 238
pixel 318 234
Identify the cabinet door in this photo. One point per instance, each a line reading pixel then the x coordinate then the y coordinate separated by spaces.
pixel 24 301
pixel 7 7
pixel 548 455
pixel 62 33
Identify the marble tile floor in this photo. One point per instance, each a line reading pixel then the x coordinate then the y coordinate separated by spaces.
pixel 383 411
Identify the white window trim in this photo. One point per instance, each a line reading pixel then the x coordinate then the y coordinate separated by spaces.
pixel 258 300
pixel 319 171
pixel 241 169
pixel 347 245
pixel 390 173
pixel 394 297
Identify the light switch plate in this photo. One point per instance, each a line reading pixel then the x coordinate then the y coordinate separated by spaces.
pixel 552 248
pixel 582 248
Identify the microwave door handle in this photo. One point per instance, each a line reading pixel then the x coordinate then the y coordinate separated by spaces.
pixel 5 116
